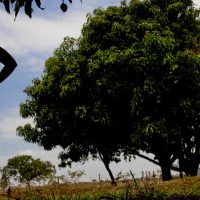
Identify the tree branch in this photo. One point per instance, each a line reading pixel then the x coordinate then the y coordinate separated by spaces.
pixel 149 159
pixel 157 163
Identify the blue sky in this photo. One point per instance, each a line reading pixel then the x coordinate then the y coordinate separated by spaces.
pixel 31 42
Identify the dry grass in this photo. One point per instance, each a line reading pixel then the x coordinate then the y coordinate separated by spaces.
pixel 70 189
pixel 187 188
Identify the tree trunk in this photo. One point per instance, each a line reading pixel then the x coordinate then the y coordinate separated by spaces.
pixel 113 182
pixel 193 169
pixel 164 163
pixel 28 185
pixel 166 170
pixel 106 164
pixel 189 166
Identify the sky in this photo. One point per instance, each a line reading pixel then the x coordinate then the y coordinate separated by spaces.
pixel 31 42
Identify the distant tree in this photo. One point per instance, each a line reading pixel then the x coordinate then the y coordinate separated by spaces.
pixel 75 175
pixel 57 180
pixel 27 4
pixel 25 169
pixel 4 181
pixel 130 83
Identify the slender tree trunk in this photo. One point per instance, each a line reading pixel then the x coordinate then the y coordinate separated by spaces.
pixel 9 192
pixel 106 164
pixel 28 185
pixel 113 182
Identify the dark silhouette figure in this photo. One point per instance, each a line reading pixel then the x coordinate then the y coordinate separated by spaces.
pixel 9 191
pixel 9 64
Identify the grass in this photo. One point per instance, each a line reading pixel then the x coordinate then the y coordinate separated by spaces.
pixel 186 189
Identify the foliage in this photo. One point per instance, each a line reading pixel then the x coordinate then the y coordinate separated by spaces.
pixel 27 4
pixel 75 175
pixel 165 101
pixel 25 169
pixel 63 83
pixel 129 83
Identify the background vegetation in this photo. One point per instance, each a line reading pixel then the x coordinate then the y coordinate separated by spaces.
pixel 177 189
pixel 129 84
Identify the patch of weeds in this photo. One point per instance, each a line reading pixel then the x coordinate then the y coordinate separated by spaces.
pixel 147 190
pixel 189 188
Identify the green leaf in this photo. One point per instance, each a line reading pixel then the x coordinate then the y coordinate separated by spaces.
pixel 28 8
pixel 38 3
pixel 7 5
pixel 17 8
pixel 63 7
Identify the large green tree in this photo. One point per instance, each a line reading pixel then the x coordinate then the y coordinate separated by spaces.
pixel 25 169
pixel 130 83
pixel 165 104
pixel 68 111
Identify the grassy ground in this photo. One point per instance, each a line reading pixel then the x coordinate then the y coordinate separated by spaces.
pixel 186 189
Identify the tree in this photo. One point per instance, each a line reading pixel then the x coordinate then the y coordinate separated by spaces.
pixel 130 83
pixel 4 182
pixel 74 176
pixel 25 169
pixel 165 104
pixel 61 84
pixel 27 4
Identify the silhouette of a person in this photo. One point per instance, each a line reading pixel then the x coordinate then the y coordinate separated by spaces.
pixel 9 64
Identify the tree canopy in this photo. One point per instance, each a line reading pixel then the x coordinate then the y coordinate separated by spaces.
pixel 25 169
pixel 130 83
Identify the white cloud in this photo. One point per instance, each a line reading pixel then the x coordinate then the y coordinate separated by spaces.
pixel 9 121
pixel 197 3
pixel 38 34
pixel 36 63
pixel 32 65
pixel 51 156
pixel 32 41
pixel 45 33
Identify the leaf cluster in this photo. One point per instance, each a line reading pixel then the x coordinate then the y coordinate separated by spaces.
pixel 27 5
pixel 17 4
